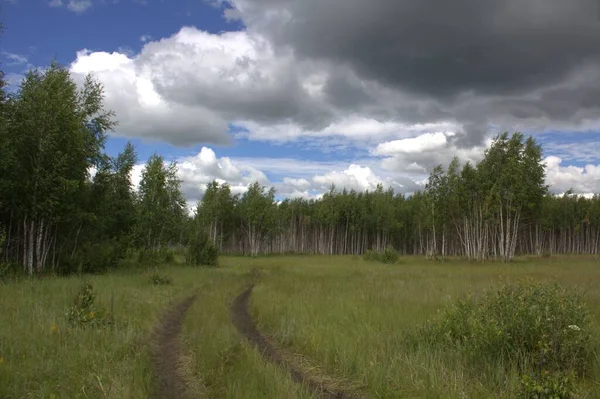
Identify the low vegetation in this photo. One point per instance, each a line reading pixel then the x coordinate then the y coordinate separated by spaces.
pixel 381 330
pixel 389 255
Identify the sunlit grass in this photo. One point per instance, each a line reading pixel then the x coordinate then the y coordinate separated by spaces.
pixel 351 320
pixel 359 319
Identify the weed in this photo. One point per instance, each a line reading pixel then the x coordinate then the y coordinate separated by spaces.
pixel 83 312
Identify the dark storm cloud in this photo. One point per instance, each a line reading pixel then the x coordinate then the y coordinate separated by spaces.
pixel 475 61
pixel 442 47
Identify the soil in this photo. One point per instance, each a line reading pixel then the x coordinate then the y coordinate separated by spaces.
pixel 169 382
pixel 245 325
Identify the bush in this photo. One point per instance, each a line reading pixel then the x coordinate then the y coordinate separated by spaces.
pixel 202 252
pixel 156 278
pixel 93 257
pixel 371 256
pixel 167 256
pixel 83 312
pixel 533 326
pixel 11 271
pixel 547 385
pixel 153 258
pixel 389 255
pixel 148 257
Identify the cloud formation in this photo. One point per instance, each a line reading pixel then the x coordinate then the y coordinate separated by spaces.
pixel 77 6
pixel 479 61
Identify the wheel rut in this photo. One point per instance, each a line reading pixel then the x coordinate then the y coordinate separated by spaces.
pixel 244 323
pixel 169 384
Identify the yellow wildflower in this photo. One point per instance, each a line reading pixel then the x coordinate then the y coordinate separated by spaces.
pixel 91 315
pixel 1 360
pixel 53 328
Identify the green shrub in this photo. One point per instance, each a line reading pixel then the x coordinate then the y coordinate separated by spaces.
pixel 533 326
pixel 148 257
pixel 93 257
pixel 157 278
pixel 11 271
pixel 389 255
pixel 83 312
pixel 167 256
pixel 371 256
pixel 547 385
pixel 202 252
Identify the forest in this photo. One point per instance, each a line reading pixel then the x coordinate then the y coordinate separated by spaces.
pixel 56 217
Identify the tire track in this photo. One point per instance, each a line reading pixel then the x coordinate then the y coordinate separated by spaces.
pixel 169 382
pixel 245 325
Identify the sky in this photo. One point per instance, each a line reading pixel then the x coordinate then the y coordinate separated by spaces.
pixel 302 94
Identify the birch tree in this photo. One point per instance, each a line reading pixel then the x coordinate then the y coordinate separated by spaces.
pixel 161 206
pixel 55 133
pixel 257 215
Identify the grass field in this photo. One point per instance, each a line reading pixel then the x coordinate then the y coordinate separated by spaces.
pixel 349 322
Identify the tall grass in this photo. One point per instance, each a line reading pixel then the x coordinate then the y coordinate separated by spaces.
pixel 362 321
pixel 353 320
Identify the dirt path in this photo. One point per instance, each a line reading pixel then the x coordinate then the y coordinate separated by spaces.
pixel 169 382
pixel 243 322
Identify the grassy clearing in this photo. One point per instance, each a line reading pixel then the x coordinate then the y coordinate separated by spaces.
pixel 359 319
pixel 43 357
pixel 342 317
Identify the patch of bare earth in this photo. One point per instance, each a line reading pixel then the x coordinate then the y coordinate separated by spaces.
pixel 319 384
pixel 167 357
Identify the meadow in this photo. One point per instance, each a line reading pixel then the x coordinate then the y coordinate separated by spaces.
pixel 351 324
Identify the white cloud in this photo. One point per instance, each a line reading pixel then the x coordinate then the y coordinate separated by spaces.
pixel 581 179
pixel 14 59
pixel 355 177
pixel 140 110
pixel 424 142
pixel 197 171
pixel 351 127
pixel 77 6
pixel 193 83
pixel 197 83
pixel 419 155
pixel 145 38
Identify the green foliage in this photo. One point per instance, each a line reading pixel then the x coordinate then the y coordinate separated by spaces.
pixel 258 215
pixel 547 385
pixel 93 258
pixel 389 255
pixel 154 258
pixel 529 325
pixel 202 252
pixel 84 312
pixel 161 206
pixel 156 278
pixel 167 255
pixel 53 132
pixel 10 271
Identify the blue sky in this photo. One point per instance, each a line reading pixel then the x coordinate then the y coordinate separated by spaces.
pixel 260 104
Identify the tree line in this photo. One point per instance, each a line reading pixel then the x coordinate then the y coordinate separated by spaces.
pixel 55 216
pixel 459 213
